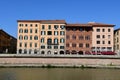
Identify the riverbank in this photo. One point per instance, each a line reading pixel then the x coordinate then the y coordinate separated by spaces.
pixel 60 62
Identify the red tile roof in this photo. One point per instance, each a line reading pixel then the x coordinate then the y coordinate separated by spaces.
pixel 45 21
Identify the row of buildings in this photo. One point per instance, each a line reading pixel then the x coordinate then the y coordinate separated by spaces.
pixel 56 37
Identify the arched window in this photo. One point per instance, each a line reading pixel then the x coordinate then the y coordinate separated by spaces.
pixel 26 31
pixel 30 51
pixel 49 41
pixel 20 37
pixel 42 52
pixel 56 41
pixel 20 30
pixel 61 52
pixel 42 40
pixel 25 51
pixel 25 37
pixel 49 52
pixel 20 51
pixel 35 51
pixel 62 40
pixel 35 37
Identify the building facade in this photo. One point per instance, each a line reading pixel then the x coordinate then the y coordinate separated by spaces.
pixel 56 37
pixel 116 40
pixel 41 37
pixel 78 38
pixel 102 37
pixel 7 43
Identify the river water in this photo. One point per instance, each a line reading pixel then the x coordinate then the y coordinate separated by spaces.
pixel 58 74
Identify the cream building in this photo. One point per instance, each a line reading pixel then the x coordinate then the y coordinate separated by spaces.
pixel 117 40
pixel 102 37
pixel 41 37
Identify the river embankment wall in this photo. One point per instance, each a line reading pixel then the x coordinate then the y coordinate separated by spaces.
pixel 64 62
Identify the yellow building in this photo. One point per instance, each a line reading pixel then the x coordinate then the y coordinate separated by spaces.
pixel 41 37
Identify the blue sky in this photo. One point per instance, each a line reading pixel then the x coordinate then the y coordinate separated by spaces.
pixel 73 11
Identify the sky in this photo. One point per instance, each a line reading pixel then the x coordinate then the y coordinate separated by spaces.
pixel 73 11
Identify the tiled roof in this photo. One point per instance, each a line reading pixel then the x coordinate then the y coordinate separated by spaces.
pixel 90 24
pixel 45 21
pixel 85 25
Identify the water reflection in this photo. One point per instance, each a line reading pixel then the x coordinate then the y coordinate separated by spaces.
pixel 58 74
pixel 7 76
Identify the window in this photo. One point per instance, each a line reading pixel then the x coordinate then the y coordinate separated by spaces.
pixel 49 41
pixel 49 47
pixel 35 51
pixel 25 45
pixel 30 37
pixel 55 26
pixel 109 30
pixel 81 29
pixel 49 33
pixel 26 31
pixel 25 37
pixel 73 45
pixel 42 47
pixel 20 44
pixel 43 33
pixel 25 51
pixel 35 44
pixel 62 33
pixel 42 52
pixel 117 39
pixel 98 36
pixel 80 45
pixel 55 47
pixel 87 37
pixel 98 42
pixel 103 36
pixel 67 37
pixel 98 30
pixel 35 37
pixel 103 42
pixel 108 36
pixel 103 30
pixel 43 26
pixel 42 40
pixel 56 41
pixel 74 29
pixel 73 37
pixel 55 32
pixel 62 27
pixel 20 37
pixel 26 25
pixel 87 45
pixel 109 48
pixel 61 47
pixel 109 42
pixel 30 44
pixel 67 45
pixel 62 40
pixel 31 25
pixel 36 25
pixel 49 26
pixel 30 30
pixel 35 30
pixel 20 30
pixel 117 46
pixel 81 37
pixel 20 25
